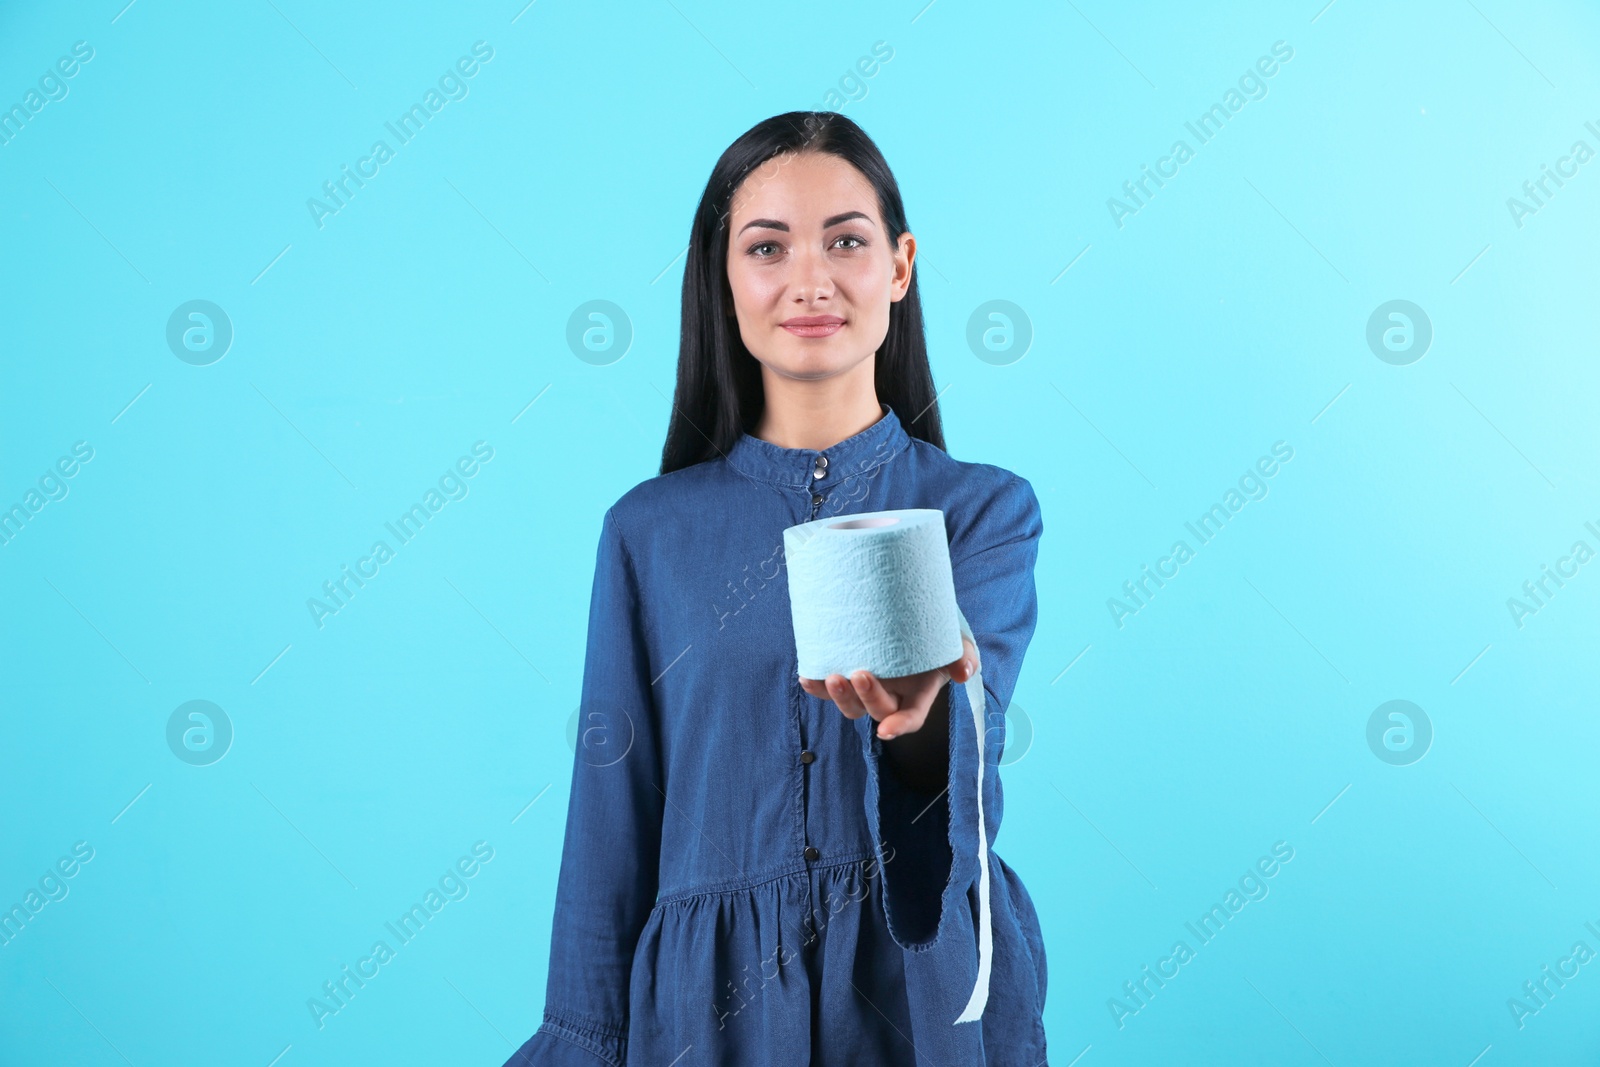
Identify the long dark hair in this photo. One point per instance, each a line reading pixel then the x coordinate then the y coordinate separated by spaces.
pixel 719 393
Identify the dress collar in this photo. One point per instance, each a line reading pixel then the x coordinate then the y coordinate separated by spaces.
pixel 799 467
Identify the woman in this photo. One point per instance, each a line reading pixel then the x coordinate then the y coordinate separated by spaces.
pixel 759 869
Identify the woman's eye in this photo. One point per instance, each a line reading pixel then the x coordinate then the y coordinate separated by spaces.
pixel 768 249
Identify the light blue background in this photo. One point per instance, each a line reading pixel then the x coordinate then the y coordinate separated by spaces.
pixel 1230 313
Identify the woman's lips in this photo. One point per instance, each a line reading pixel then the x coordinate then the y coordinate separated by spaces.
pixel 813 327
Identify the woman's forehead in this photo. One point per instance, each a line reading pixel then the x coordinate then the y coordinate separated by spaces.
pixel 802 190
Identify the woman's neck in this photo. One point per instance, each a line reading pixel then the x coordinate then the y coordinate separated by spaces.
pixel 817 414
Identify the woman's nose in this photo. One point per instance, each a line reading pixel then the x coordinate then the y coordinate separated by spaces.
pixel 811 277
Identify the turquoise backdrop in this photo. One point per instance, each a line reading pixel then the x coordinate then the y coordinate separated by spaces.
pixel 1308 289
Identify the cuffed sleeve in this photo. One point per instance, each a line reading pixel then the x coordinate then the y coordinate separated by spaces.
pixel 611 854
pixel 558 1043
pixel 927 847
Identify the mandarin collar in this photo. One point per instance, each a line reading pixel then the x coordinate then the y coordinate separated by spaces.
pixel 801 467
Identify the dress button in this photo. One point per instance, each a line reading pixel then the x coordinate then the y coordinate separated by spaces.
pixel 816 498
pixel 807 756
pixel 822 462
pixel 811 852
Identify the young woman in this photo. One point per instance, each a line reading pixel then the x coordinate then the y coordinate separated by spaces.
pixel 759 869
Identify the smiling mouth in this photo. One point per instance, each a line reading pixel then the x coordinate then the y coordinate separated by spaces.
pixel 825 326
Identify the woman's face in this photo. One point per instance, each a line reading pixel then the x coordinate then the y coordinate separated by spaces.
pixel 811 268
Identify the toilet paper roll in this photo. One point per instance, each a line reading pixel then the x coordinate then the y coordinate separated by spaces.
pixel 874 591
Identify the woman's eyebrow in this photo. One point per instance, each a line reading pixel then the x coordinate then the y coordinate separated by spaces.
pixel 774 224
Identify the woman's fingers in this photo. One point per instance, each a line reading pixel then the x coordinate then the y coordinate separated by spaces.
pixel 901 722
pixel 897 711
pixel 844 695
pixel 963 668
pixel 878 701
pixel 895 715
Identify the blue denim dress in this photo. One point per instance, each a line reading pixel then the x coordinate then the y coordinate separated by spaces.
pixel 742 882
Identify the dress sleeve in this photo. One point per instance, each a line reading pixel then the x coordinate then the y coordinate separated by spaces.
pixel 610 859
pixel 927 847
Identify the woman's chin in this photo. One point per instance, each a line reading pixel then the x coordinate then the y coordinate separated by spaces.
pixel 813 359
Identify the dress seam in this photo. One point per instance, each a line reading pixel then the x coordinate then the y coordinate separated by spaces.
pixel 737 885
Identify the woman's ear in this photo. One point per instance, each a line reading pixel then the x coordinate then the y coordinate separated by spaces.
pixel 905 255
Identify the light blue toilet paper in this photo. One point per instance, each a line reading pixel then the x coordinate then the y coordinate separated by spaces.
pixel 874 591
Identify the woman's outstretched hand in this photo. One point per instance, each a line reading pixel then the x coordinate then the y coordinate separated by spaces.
pixel 899 705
